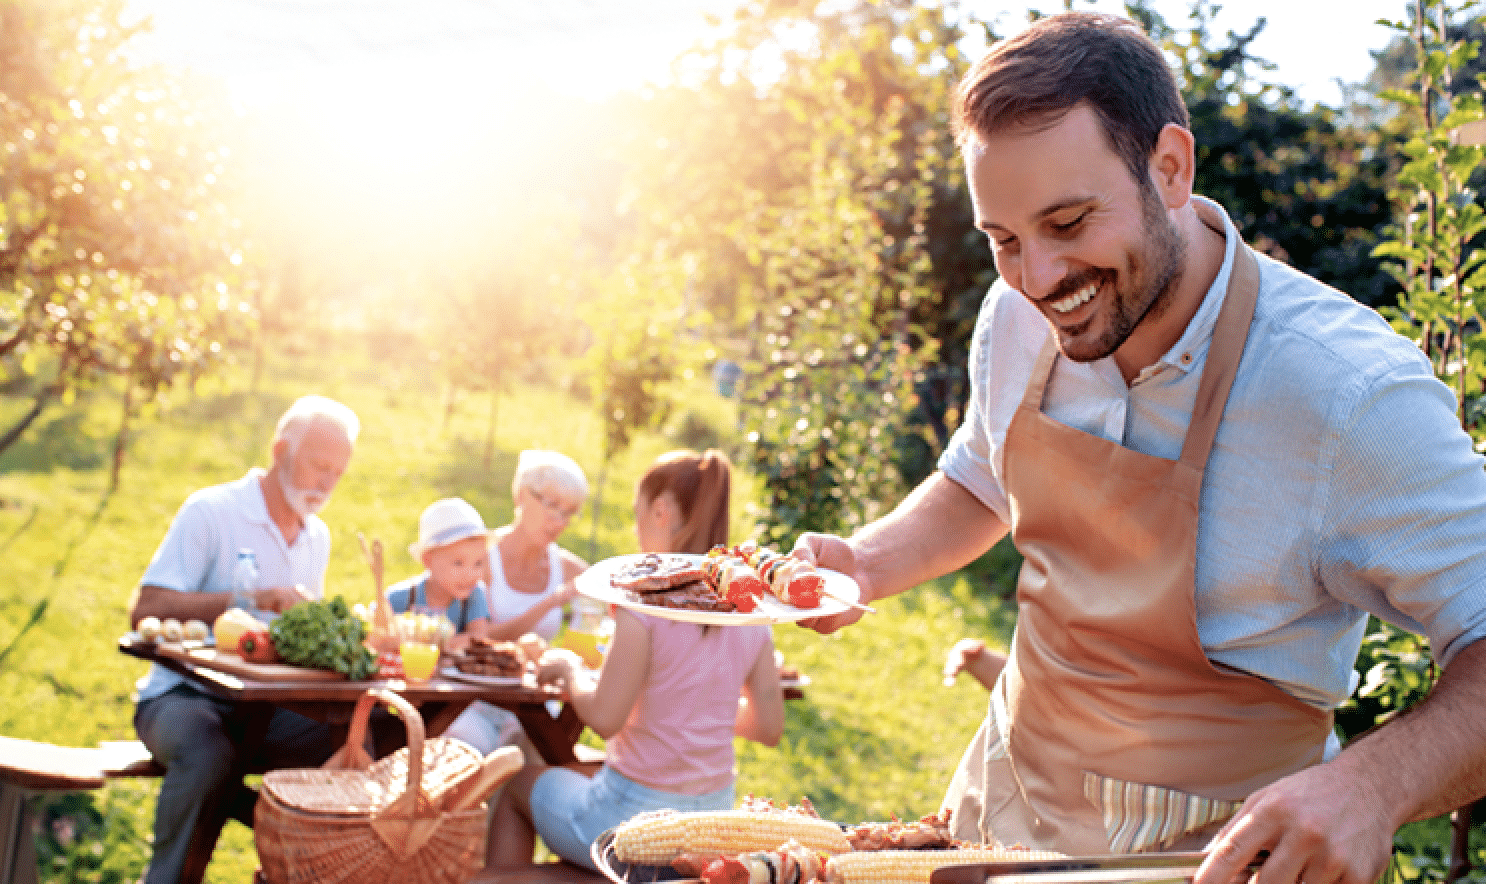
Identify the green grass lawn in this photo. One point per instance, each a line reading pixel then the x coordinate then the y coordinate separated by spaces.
pixel 876 734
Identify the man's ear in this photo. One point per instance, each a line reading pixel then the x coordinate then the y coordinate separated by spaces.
pixel 1174 165
pixel 280 452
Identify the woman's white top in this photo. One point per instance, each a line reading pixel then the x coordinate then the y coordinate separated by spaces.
pixel 508 604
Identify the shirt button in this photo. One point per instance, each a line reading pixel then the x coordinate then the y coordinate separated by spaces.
pixel 1186 358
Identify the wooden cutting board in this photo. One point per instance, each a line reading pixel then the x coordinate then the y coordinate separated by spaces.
pixel 232 664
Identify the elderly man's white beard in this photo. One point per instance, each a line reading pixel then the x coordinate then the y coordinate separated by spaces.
pixel 304 501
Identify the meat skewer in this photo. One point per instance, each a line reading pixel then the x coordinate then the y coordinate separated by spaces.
pixel 734 579
pixel 794 581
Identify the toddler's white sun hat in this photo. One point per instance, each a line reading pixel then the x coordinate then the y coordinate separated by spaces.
pixel 444 522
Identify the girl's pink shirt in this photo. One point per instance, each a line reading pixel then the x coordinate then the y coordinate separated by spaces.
pixel 679 736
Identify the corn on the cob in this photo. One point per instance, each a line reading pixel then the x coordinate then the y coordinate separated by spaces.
pixel 656 839
pixel 651 838
pixel 913 866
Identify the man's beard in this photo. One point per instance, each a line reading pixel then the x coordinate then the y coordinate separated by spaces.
pixel 304 501
pixel 1159 271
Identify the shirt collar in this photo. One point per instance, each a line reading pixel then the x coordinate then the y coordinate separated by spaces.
pixel 1191 348
pixel 254 507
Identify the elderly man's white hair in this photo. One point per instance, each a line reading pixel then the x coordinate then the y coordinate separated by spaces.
pixel 549 471
pixel 306 410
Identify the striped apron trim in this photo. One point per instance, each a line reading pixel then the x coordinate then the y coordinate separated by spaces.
pixel 1139 817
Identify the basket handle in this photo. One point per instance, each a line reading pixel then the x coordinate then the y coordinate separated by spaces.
pixel 353 756
pixel 407 824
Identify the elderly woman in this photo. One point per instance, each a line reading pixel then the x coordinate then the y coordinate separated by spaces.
pixel 530 577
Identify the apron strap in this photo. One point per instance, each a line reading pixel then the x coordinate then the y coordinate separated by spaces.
pixel 1223 354
pixel 1229 335
pixel 1042 370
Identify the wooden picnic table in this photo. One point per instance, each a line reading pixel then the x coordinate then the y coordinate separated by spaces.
pixel 439 700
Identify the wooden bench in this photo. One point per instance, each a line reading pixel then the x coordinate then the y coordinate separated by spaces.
pixel 28 766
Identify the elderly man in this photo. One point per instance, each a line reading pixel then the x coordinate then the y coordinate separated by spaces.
pixel 272 514
pixel 1214 468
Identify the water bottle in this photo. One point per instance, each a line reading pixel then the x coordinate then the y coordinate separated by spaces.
pixel 245 578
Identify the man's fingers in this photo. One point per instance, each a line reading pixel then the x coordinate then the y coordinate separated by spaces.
pixel 1282 867
pixel 829 624
pixel 1237 845
pixel 805 546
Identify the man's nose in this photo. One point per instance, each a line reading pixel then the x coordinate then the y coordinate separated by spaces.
pixel 1042 269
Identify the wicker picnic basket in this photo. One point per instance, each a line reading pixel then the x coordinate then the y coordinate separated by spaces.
pixel 354 820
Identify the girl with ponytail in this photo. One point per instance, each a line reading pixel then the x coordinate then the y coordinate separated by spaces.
pixel 669 700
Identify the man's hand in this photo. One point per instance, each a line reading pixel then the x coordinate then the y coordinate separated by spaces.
pixel 971 655
pixel 1335 822
pixel 1324 825
pixel 829 551
pixel 279 599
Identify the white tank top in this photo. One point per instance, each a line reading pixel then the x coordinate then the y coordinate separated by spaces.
pixel 508 604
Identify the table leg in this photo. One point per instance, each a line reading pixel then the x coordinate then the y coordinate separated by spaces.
pixel 17 853
pixel 438 716
pixel 552 737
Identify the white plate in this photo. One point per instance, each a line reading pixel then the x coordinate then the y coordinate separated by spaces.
pixel 496 681
pixel 594 583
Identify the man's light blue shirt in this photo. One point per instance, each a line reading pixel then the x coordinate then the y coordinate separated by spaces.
pixel 1340 482
pixel 199 552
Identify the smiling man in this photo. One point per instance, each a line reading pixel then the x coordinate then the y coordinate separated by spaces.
pixel 1214 467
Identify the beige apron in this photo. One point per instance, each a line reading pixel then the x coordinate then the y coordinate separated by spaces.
pixel 1109 729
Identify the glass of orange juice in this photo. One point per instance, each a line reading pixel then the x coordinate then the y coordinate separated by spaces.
pixel 419 659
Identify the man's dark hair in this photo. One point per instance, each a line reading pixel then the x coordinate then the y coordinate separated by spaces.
pixel 1031 80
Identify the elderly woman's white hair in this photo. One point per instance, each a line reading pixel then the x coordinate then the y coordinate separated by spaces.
pixel 306 410
pixel 549 472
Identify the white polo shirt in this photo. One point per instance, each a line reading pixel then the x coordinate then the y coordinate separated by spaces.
pixel 199 552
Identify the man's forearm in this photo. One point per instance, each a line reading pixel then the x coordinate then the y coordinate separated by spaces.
pixel 1432 759
pixel 155 601
pixel 938 528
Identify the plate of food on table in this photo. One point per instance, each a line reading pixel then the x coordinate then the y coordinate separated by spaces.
pixel 747 583
pixel 488 662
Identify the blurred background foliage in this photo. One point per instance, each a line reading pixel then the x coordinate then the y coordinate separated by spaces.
pixel 788 217
pixel 791 202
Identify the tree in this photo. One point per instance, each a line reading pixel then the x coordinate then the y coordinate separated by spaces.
pixel 642 332
pixel 1301 185
pixel 1433 251
pixel 496 314
pixel 797 168
pixel 117 259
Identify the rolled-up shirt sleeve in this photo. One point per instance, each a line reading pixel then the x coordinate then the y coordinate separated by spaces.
pixel 1404 532
pixel 968 458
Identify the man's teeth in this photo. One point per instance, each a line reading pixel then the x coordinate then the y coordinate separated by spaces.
pixel 1079 297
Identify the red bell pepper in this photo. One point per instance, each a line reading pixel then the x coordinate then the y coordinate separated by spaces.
pixel 256 646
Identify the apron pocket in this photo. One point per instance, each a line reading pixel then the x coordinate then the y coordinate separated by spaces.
pixel 1140 817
